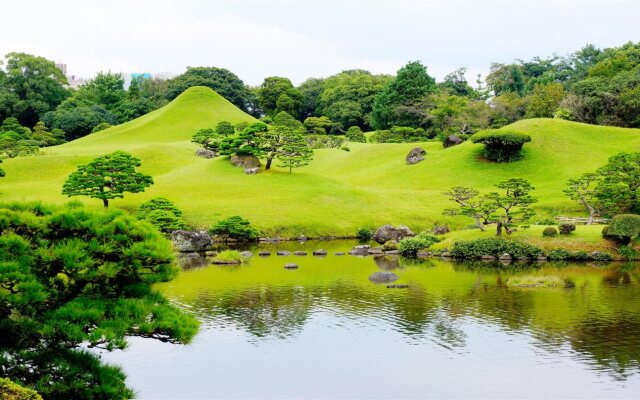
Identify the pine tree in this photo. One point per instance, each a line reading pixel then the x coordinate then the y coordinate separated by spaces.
pixel 107 177
pixel 295 152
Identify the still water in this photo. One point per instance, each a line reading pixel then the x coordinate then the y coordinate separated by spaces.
pixel 457 331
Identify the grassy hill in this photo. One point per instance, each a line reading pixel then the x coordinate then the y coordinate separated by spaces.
pixel 338 193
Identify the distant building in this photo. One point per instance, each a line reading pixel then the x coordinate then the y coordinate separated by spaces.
pixel 62 68
pixel 73 81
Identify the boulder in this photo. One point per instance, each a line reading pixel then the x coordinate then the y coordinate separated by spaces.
pixel 415 155
pixel 392 252
pixel 246 254
pixel 452 140
pixel 191 241
pixel 283 252
pixel 299 253
pixel 205 153
pixel 210 253
pixel 423 254
pixel 445 254
pixel 375 251
pixel 362 250
pixel 389 232
pixel 390 245
pixel 505 257
pixel 400 286
pixel 541 258
pixel 320 252
pixel 383 277
pixel 291 266
pixel 440 230
pixel 488 257
pixel 302 238
pixel 245 161
pixel 339 253
pixel 252 170
pixel 225 262
pixel 264 253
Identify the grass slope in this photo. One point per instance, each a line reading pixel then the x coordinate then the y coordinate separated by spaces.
pixel 339 192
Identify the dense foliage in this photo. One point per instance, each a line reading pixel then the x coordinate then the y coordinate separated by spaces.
pixel 74 277
pixel 12 391
pixel 495 247
pixel 107 177
pixel 162 214
pixel 565 228
pixel 625 227
pixel 550 231
pixel 501 145
pixel 236 228
pixel 411 245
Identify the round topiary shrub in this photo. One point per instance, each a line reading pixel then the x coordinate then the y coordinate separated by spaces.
pixel 501 145
pixel 550 232
pixel 566 228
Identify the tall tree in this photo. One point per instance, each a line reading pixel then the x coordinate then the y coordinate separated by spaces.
pixel 34 86
pixel 583 190
pixel 107 177
pixel 619 190
pixel 277 94
pixel 412 84
pixel 310 90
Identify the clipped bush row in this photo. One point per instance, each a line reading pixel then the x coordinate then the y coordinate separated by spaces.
pixel 496 247
pixel 412 245
pixel 565 255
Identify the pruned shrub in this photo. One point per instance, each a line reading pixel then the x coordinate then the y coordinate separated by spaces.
pixel 12 391
pixel 236 228
pixel 565 228
pixel 496 247
pixel 400 134
pixel 550 231
pixel 566 255
pixel 559 255
pixel 355 134
pixel 411 245
pixel 624 227
pixel 324 141
pixel 501 145
pixel 364 234
pixel 161 213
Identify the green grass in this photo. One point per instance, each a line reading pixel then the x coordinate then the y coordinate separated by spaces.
pixel 337 193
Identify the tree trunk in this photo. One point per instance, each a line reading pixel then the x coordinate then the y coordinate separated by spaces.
pixel 268 166
pixel 592 213
pixel 479 224
pixel 106 203
pixel 499 229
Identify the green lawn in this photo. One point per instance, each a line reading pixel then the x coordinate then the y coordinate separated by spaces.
pixel 339 192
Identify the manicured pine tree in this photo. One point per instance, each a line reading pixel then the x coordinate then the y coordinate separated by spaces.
pixel 295 152
pixel 107 177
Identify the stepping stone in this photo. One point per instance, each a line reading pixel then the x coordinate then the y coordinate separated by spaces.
pixel 291 266
pixel 300 253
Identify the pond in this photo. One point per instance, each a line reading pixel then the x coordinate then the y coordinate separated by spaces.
pixel 457 331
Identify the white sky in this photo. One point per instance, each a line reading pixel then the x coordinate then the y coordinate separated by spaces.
pixel 308 38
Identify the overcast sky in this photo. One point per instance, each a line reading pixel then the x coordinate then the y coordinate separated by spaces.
pixel 308 38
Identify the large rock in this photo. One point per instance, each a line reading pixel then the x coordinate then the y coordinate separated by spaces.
pixel 191 241
pixel 361 250
pixel 383 277
pixel 205 153
pixel 452 140
pixel 245 161
pixel 416 155
pixel 389 232
pixel 251 171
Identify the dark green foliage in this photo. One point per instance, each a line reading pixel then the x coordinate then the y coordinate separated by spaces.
pixel 559 255
pixel 355 134
pixel 295 151
pixel 236 228
pixel 501 145
pixel 12 391
pixel 411 245
pixel 77 277
pixel 79 121
pixel 550 231
pixel 400 134
pixel 324 141
pixel 394 105
pixel 283 118
pixel 566 255
pixel 310 91
pixel 223 81
pixel 225 128
pixel 625 226
pixel 162 214
pixel 277 94
pixel 364 234
pixel 101 126
pixel 496 247
pixel 628 252
pixel 618 191
pixel 347 98
pixel 245 143
pixel 107 177
pixel 566 228
pixel 208 139
pixel 317 125
pixel 17 140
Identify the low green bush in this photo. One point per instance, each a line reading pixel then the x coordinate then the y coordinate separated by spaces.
pixel 566 255
pixel 400 134
pixel 355 134
pixel 324 141
pixel 230 256
pixel 566 228
pixel 624 227
pixel 550 232
pixel 162 214
pixel 411 245
pixel 236 228
pixel 496 247
pixel 501 145
pixel 364 234
pixel 559 255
